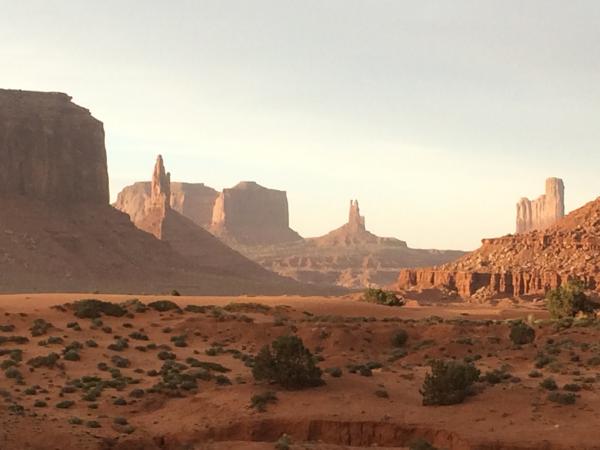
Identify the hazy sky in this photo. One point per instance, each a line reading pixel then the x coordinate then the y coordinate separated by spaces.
pixel 436 115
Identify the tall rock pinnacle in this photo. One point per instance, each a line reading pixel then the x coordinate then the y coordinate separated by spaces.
pixel 542 212
pixel 161 186
pixel 356 222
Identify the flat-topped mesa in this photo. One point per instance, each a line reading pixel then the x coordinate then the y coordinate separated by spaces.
pixel 250 214
pixel 160 192
pixel 51 149
pixel 544 211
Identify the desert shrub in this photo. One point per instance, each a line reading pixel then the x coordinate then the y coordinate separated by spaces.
pixel 44 361
pixel 137 393
pixel 164 306
pixel 495 376
pixel 568 300
pixel 260 401
pixel 92 309
pixel 283 443
pixel 421 444
pixel 288 363
pixel 71 355
pixel 399 338
pixel 222 380
pixel 120 361
pixel 535 374
pixel 119 345
pixel 14 340
pixel 13 373
pixel 175 293
pixel 40 327
pixel 65 404
pixel 382 297
pixel 448 383
pixel 521 333
pixel 40 404
pixel 9 328
pixel 179 341
pixel 165 355
pixel 138 335
pixel 92 424
pixel 91 343
pixel 572 387
pixel 120 420
pixel 563 398
pixel 75 421
pixel 382 393
pixel 549 384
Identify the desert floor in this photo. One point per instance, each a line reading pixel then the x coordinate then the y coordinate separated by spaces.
pixel 351 411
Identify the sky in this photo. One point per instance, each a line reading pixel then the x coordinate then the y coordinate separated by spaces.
pixel 436 115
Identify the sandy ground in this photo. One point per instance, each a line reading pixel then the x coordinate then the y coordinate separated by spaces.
pixel 344 413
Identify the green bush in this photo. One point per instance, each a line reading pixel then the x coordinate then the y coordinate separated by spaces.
pixel 448 383
pixel 521 333
pixel 288 363
pixel 92 309
pixel 164 306
pixel 382 297
pixel 568 300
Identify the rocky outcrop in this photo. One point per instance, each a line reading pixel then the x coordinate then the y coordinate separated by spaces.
pixel 247 214
pixel 544 211
pixel 51 149
pixel 194 200
pixel 349 256
pixel 523 264
pixel 250 214
pixel 59 233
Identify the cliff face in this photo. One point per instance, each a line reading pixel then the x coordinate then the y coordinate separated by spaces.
pixel 544 211
pixel 524 264
pixel 250 214
pixel 51 149
pixel 59 234
pixel 349 256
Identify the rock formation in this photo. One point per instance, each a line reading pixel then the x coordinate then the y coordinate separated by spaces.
pixel 544 211
pixel 349 256
pixel 524 264
pixel 250 214
pixel 52 149
pixel 247 214
pixel 60 234
pixel 194 200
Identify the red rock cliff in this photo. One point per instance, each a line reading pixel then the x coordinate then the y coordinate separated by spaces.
pixel 51 149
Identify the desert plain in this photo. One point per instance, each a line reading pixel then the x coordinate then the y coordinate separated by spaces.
pixel 372 399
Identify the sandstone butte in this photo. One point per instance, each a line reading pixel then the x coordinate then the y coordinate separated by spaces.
pixel 254 220
pixel 544 211
pixel 247 214
pixel 527 264
pixel 59 232
pixel 349 256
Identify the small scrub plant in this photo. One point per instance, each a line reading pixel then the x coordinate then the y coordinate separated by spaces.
pixel 563 398
pixel 521 333
pixel 399 338
pixel 93 309
pixel 448 383
pixel 335 372
pixel 164 306
pixel 260 401
pixel 549 384
pixel 382 297
pixel 568 300
pixel 288 363
pixel 421 444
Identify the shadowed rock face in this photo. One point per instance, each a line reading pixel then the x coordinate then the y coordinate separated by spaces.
pixel 250 214
pixel 544 211
pixel 51 149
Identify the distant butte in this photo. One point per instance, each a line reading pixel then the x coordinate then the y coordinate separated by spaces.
pixel 544 211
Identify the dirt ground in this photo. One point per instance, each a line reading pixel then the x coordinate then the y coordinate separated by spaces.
pixel 383 409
